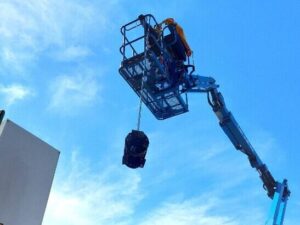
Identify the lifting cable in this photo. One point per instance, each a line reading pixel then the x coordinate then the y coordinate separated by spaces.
pixel 193 63
pixel 143 76
pixel 140 104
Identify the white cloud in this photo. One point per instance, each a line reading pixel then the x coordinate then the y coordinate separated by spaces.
pixel 70 93
pixel 112 196
pixel 186 213
pixel 84 197
pixel 30 28
pixel 13 59
pixel 73 53
pixel 13 93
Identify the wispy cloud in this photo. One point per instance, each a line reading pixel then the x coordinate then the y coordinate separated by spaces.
pixel 186 213
pixel 13 60
pixel 100 197
pixel 30 28
pixel 112 197
pixel 72 92
pixel 14 92
pixel 220 170
pixel 73 53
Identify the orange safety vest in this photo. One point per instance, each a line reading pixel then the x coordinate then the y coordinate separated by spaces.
pixel 170 21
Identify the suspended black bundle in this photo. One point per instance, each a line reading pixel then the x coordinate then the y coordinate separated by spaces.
pixel 135 150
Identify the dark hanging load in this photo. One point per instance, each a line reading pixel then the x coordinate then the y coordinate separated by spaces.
pixel 135 150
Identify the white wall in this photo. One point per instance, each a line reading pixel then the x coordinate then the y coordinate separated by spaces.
pixel 27 167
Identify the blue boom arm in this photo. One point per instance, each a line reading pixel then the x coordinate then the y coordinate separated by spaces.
pixel 278 191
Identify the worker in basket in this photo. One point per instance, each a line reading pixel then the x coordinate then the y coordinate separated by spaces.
pixel 179 48
pixel 171 22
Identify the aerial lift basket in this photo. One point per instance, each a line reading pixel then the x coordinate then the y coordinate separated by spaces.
pixel 153 67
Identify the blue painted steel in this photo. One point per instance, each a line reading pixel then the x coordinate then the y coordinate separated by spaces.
pixel 161 92
pixel 277 191
pixel 277 211
pixel 281 202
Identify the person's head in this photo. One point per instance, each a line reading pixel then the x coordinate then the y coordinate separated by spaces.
pixel 169 21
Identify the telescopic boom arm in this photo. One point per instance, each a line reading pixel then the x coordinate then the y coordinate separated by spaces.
pixel 240 142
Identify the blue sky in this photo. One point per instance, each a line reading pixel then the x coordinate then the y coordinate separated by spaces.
pixel 59 79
